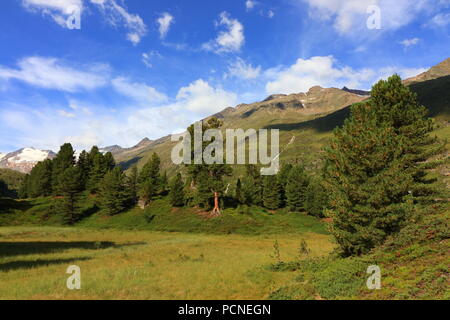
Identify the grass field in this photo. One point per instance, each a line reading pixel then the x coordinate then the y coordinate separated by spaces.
pixel 121 264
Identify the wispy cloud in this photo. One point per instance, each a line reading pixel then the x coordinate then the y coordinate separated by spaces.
pixel 58 10
pixel 52 73
pixel 409 42
pixel 242 70
pixel 139 92
pixel 230 40
pixel 165 21
pixel 117 15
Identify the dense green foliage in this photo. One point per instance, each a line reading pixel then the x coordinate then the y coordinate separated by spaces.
pixel 176 194
pixel 375 170
pixel 10 183
pixel 295 190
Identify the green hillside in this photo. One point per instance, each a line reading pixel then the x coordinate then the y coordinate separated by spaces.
pixel 306 120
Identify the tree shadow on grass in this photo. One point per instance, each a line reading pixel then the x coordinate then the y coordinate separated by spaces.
pixel 24 264
pixel 9 249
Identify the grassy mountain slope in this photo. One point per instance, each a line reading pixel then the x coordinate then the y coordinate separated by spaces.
pixel 306 120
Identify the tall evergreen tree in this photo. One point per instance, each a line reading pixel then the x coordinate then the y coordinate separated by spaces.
pixel 39 182
pixel 208 178
pixel 238 193
pixel 295 189
pixel 150 179
pixel 252 186
pixel 70 189
pixel 113 195
pixel 132 185
pixel 64 160
pixel 176 194
pixel 271 192
pixel 374 167
pixel 283 176
pixel 85 166
pixel 316 198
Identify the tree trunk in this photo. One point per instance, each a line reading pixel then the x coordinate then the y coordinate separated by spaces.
pixel 216 210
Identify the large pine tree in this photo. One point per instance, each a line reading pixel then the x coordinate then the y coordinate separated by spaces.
pixel 176 194
pixel 295 189
pixel 70 189
pixel 64 160
pixel 271 192
pixel 374 167
pixel 113 194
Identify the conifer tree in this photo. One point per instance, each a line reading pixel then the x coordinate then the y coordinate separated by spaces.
pixel 295 190
pixel 283 176
pixel 252 186
pixel 132 185
pixel 176 194
pixel 85 166
pixel 64 160
pixel 164 183
pixel 150 179
pixel 208 178
pixel 238 193
pixel 316 199
pixel 39 182
pixel 70 189
pixel 271 192
pixel 374 168
pixel 113 195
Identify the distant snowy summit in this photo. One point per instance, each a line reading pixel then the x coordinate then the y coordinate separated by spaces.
pixel 24 160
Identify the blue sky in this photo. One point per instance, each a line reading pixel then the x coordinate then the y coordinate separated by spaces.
pixel 140 69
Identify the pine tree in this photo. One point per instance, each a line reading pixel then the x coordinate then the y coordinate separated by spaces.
pixel 113 195
pixel 150 179
pixel 316 199
pixel 238 193
pixel 373 167
pixel 283 177
pixel 64 160
pixel 252 188
pixel 70 189
pixel 85 166
pixel 39 182
pixel 132 185
pixel 271 192
pixel 208 178
pixel 164 184
pixel 176 194
pixel 297 183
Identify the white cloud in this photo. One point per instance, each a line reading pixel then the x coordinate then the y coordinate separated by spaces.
pixel 52 73
pixel 409 42
pixel 201 98
pixel 271 14
pixel 147 58
pixel 65 114
pixel 242 70
pixel 58 10
pixel 230 40
pixel 117 15
pixel 250 4
pixel 139 92
pixel 440 20
pixel 351 15
pixel 323 71
pixel 165 21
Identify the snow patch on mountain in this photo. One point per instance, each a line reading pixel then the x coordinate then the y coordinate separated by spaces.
pixel 30 155
pixel 2 155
